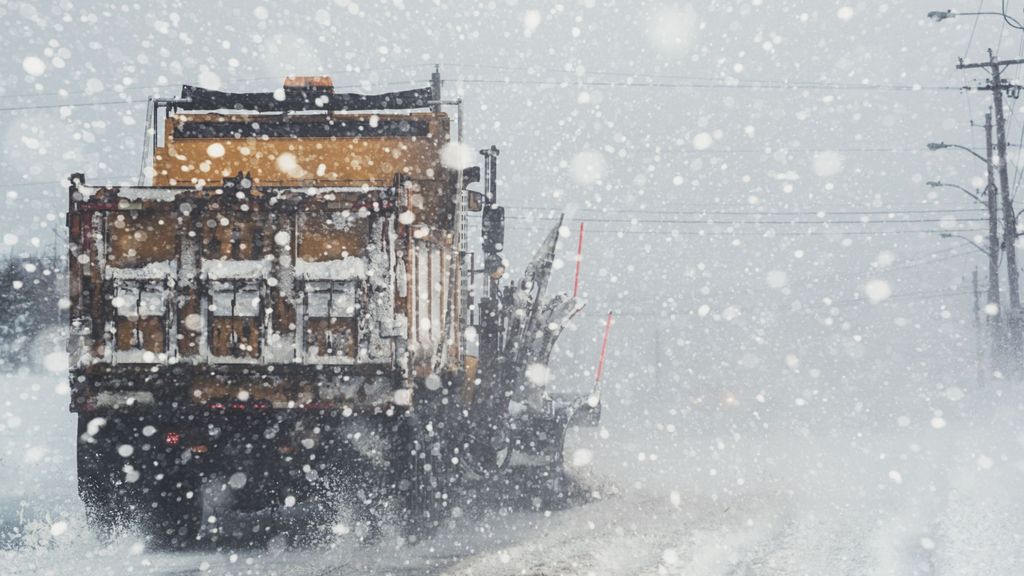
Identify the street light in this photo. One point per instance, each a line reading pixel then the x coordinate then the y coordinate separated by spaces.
pixel 939 16
pixel 933 146
pixel 966 239
pixel 937 184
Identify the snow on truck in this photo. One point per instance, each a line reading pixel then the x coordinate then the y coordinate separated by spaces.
pixel 291 312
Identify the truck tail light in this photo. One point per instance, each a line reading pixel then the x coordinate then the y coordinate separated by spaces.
pixel 172 438
pixel 216 406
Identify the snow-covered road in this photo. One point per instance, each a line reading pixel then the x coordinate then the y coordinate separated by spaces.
pixel 629 534
pixel 926 496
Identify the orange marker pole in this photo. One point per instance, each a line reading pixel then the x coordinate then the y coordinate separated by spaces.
pixel 579 258
pixel 604 348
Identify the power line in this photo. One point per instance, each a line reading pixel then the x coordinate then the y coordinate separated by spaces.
pixel 921 295
pixel 723 82
pixel 919 263
pixel 72 105
pixel 63 181
pixel 1007 19
pixel 914 262
pixel 716 82
pixel 735 222
pixel 695 211
pixel 712 150
pixel 909 265
pixel 247 79
pixel 752 212
pixel 974 27
pixel 720 86
pixel 1020 166
pixel 766 234
pixel 104 103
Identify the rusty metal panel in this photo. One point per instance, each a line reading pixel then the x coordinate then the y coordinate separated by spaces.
pixel 331 336
pixel 138 237
pixel 310 159
pixel 234 236
pixel 331 236
pixel 235 337
pixel 302 236
pixel 147 334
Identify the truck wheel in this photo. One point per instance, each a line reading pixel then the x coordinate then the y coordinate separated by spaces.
pixel 97 489
pixel 425 476
pixel 489 455
pixel 175 512
pixel 555 481
pixel 556 457
pixel 100 483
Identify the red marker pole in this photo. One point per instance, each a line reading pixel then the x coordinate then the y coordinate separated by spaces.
pixel 579 258
pixel 604 348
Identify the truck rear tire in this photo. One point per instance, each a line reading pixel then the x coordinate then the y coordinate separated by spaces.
pixel 97 490
pixel 424 475
pixel 174 515
pixel 108 503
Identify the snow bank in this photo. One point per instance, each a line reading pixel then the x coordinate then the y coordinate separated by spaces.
pixel 37 461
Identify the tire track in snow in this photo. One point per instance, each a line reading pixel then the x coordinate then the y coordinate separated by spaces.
pixel 724 548
pixel 632 535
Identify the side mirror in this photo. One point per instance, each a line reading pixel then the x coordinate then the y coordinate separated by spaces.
pixel 470 175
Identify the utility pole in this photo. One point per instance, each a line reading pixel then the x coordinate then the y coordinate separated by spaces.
pixel 997 340
pixel 435 89
pixel 997 86
pixel 1009 221
pixel 978 348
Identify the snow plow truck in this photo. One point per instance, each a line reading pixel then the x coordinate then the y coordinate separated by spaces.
pixel 305 303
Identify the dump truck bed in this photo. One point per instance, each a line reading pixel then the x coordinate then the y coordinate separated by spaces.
pixel 290 259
